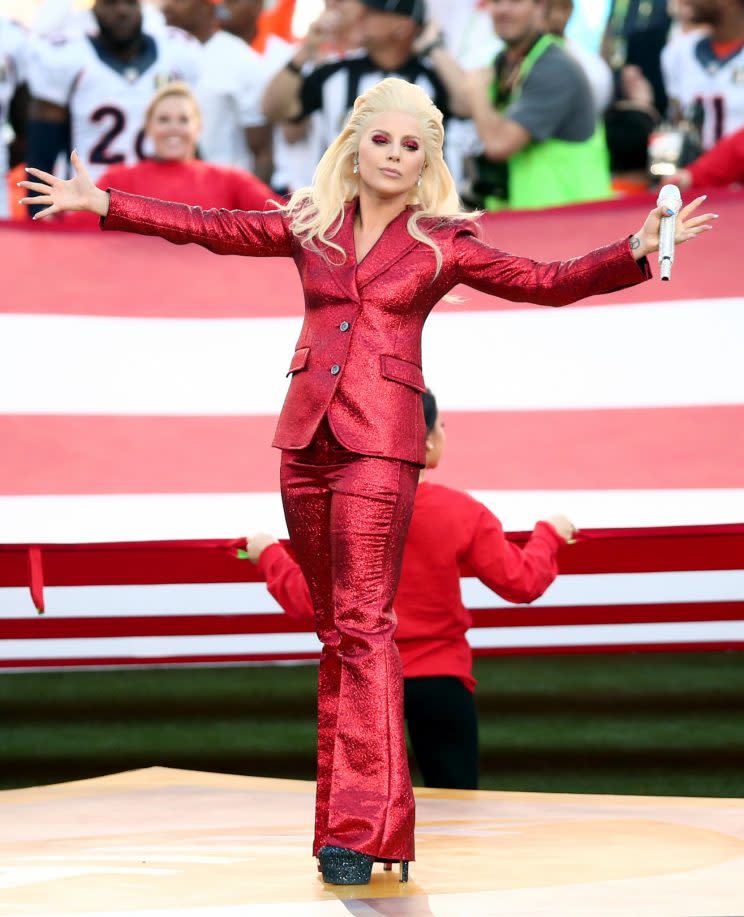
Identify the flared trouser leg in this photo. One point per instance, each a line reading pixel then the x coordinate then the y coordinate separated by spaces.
pixel 348 517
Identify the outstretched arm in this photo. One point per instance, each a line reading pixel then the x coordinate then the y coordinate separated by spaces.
pixel 557 283
pixel 516 574
pixel 226 232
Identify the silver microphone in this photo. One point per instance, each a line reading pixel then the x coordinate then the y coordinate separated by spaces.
pixel 670 199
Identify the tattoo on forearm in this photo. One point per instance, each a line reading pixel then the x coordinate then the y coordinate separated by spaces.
pixel 635 243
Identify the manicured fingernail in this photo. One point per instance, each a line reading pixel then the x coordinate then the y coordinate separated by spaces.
pixel 34 217
pixel 670 212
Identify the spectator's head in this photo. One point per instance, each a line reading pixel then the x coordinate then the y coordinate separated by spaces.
pixel 241 17
pixel 119 21
pixel 435 437
pixel 173 123
pixel 516 21
pixel 391 24
pixel 557 14
pixel 628 130
pixel 194 16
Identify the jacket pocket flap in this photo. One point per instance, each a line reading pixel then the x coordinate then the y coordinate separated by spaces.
pixel 299 360
pixel 402 371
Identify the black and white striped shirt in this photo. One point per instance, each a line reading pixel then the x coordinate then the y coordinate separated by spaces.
pixel 332 88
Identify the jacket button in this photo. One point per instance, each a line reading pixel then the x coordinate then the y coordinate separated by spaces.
pixel 344 326
pixel 335 369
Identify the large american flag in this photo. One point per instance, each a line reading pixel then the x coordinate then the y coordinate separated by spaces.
pixel 140 384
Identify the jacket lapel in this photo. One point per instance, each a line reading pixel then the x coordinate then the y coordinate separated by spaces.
pixel 394 243
pixel 345 274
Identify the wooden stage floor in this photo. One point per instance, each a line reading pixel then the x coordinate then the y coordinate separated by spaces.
pixel 169 842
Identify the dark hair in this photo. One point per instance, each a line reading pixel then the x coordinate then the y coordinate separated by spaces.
pixel 431 412
pixel 627 131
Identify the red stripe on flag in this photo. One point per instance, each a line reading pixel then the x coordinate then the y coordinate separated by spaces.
pixel 603 551
pixel 155 279
pixel 641 448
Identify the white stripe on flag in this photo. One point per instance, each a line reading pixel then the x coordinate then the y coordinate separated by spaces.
pixel 253 598
pixel 155 517
pixel 145 648
pixel 670 354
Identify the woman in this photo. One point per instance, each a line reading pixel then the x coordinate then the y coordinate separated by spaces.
pixel 448 529
pixel 173 127
pixel 378 240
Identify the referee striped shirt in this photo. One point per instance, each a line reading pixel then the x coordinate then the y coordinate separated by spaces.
pixel 332 88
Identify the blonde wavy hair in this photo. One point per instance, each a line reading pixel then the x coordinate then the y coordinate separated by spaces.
pixel 317 212
pixel 174 89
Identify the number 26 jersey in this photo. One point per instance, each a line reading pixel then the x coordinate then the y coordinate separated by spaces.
pixel 107 98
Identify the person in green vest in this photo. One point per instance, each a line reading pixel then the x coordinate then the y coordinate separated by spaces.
pixel 536 119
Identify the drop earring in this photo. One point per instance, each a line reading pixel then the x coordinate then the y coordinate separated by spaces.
pixel 355 170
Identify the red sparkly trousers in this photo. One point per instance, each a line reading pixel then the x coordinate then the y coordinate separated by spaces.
pixel 348 516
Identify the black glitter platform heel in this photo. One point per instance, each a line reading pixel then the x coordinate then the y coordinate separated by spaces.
pixel 341 866
pixel 387 865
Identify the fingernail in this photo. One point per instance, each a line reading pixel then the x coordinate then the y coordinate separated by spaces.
pixel 33 217
pixel 670 212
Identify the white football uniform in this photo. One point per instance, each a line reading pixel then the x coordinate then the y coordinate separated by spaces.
pixel 13 64
pixel 107 100
pixel 693 73
pixel 229 91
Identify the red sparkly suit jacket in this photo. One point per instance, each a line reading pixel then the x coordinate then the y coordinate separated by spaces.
pixel 358 357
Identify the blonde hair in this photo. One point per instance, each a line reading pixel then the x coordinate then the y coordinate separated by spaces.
pixel 317 212
pixel 177 90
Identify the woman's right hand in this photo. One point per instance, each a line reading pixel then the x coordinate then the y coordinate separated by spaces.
pixel 57 195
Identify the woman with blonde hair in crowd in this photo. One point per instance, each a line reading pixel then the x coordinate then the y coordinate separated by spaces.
pixel 378 239
pixel 172 127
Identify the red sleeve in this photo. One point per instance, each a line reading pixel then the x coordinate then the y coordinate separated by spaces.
pixel 250 192
pixel 225 232
pixel 286 583
pixel 546 283
pixel 516 574
pixel 721 165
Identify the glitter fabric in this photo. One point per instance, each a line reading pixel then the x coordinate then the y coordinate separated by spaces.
pixel 358 357
pixel 341 866
pixel 352 431
pixel 347 516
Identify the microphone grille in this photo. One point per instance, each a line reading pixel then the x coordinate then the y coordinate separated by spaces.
pixel 670 196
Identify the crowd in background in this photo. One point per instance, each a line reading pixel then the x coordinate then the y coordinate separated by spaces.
pixel 218 103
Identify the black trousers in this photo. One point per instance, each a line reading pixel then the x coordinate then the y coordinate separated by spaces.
pixel 443 728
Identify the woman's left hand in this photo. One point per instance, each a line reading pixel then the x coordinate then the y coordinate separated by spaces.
pixel 646 240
